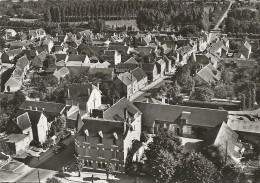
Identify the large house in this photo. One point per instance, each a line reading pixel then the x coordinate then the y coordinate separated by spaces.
pixel 126 84
pixel 182 120
pixel 86 96
pixel 108 140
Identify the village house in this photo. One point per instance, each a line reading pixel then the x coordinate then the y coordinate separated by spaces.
pixel 16 143
pixel 112 56
pixel 58 75
pixel 246 125
pixel 126 84
pixel 245 49
pixel 208 74
pixel 33 123
pixel 141 76
pixel 108 140
pixel 49 109
pixel 182 120
pixel 85 96
pixel 223 137
pixel 161 64
pixel 10 33
pixel 38 60
pixel 151 70
pixel 77 59
pixel 37 34
pixel 8 56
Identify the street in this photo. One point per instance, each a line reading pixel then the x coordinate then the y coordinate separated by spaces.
pixel 49 163
pixel 143 94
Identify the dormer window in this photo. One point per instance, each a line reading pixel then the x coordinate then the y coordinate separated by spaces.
pixel 100 137
pixel 185 117
pixel 115 137
pixel 86 135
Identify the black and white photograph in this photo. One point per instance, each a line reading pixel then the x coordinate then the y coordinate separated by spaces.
pixel 129 91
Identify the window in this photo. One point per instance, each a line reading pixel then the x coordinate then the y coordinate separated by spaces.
pixel 104 165
pixel 85 138
pixel 114 154
pixel 100 140
pixel 114 141
pixel 117 167
pixel 86 151
pixel 100 153
pixel 88 163
pixel 99 165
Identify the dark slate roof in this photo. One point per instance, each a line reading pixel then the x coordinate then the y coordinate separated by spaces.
pixel 117 111
pixel 22 62
pixel 126 66
pixel 171 113
pixel 148 67
pixel 60 57
pixel 77 90
pixel 105 71
pixel 49 107
pixel 77 58
pixel 23 121
pixel 145 50
pixel 126 78
pixel 131 61
pixel 107 127
pixel 34 116
pixel 139 74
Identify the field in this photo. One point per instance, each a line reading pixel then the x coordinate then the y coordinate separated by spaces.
pixel 121 23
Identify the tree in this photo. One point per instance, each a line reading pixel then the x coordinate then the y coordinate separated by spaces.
pixel 53 180
pixel 194 167
pixel 59 124
pixel 79 165
pixel 109 169
pixel 164 167
pixel 203 93
pixel 162 155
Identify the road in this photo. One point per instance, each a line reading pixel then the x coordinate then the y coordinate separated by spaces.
pixel 143 94
pixel 49 163
pixel 223 16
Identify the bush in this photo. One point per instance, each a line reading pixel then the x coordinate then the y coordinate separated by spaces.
pixel 212 105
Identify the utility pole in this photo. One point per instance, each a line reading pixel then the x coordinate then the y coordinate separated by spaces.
pixel 226 152
pixel 39 176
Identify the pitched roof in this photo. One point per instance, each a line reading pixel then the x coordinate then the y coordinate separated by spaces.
pixel 107 127
pixel 34 116
pixel 224 137
pixel 38 60
pixel 77 58
pixel 22 62
pixel 148 67
pixel 145 50
pixel 243 123
pixel 49 107
pixel 171 113
pixel 61 72
pixel 60 57
pixel 131 61
pixel 23 121
pixel 126 66
pixel 78 90
pixel 209 74
pixel 139 74
pixel 105 71
pixel 216 46
pixel 126 78
pixel 117 111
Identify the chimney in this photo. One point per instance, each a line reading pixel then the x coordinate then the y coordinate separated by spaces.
pixel 98 85
pixel 125 114
pixel 30 107
pixel 88 91
pixel 36 108
pixel 124 126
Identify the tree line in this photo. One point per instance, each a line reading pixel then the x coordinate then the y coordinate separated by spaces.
pixel 243 21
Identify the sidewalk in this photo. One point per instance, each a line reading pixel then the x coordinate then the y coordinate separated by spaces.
pixel 99 178
pixel 149 86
